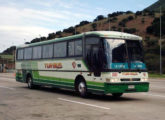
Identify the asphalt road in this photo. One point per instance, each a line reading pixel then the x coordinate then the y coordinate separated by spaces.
pixel 17 102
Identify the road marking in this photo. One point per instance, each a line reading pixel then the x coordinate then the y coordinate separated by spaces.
pixel 157 86
pixel 155 95
pixel 157 81
pixel 7 87
pixel 82 103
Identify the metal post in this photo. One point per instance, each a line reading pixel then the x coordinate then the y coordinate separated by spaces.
pixel 40 37
pixel 160 40
pixel 109 24
pixel 75 30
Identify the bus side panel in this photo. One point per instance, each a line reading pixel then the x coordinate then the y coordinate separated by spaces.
pixel 19 72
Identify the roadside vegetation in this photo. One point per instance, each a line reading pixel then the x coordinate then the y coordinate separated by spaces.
pixel 154 75
pixel 144 23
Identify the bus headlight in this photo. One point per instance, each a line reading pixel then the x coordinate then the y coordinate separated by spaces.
pixel 114 80
pixel 144 79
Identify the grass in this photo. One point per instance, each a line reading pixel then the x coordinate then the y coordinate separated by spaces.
pixel 154 75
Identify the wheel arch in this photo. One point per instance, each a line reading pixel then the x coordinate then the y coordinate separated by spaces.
pixel 28 75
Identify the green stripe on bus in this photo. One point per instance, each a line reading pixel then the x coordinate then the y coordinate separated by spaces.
pixel 95 83
pixel 55 82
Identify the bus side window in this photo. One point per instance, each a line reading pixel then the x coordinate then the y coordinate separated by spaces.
pixel 47 51
pixel 60 49
pixel 91 49
pixel 71 46
pixel 37 52
pixel 75 48
pixel 20 54
pixel 28 53
pixel 78 47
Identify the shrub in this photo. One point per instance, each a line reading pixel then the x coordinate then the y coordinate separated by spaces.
pixel 143 21
pixel 131 30
pixel 83 23
pixel 94 26
pixel 138 13
pixel 129 12
pixel 100 17
pixel 130 18
pixel 69 30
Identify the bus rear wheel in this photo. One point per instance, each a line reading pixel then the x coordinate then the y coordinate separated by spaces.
pixel 117 95
pixel 30 82
pixel 82 88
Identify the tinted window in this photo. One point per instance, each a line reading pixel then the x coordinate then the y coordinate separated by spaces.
pixel 37 52
pixel 71 48
pixel 60 49
pixel 48 51
pixel 28 53
pixel 117 50
pixel 92 40
pixel 78 47
pixel 20 54
pixel 135 51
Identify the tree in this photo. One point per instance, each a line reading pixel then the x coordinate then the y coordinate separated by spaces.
pixel 129 12
pixel 122 24
pixel 114 19
pixel 10 50
pixel 114 28
pixel 69 30
pixel 36 40
pixel 58 33
pixel 155 27
pixel 83 23
pixel 143 21
pixel 130 18
pixel 131 30
pixel 100 17
pixel 115 14
pixel 94 26
pixel 151 13
pixel 50 36
pixel 138 13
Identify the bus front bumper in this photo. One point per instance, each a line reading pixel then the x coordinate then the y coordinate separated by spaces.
pixel 126 87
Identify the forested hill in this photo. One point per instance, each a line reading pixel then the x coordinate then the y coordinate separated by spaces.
pixel 156 6
pixel 143 23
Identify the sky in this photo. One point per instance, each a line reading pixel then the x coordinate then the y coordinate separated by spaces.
pixel 23 20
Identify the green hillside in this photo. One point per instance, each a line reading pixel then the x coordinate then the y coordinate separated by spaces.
pixel 156 6
pixel 143 23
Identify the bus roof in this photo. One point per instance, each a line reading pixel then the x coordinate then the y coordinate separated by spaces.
pixel 106 34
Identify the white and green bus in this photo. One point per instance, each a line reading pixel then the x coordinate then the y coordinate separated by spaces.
pixel 93 62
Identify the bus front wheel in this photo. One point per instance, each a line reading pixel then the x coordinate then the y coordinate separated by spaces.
pixel 82 88
pixel 30 82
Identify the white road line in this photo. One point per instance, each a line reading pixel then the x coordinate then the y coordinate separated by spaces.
pixel 82 103
pixel 7 87
pixel 157 86
pixel 156 81
pixel 155 95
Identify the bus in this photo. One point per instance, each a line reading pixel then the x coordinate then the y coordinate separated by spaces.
pixel 100 62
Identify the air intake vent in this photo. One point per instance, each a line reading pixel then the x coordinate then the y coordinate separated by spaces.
pixel 134 79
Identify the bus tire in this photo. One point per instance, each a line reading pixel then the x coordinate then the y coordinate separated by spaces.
pixel 117 95
pixel 82 88
pixel 30 82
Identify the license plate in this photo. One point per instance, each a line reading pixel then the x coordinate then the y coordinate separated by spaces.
pixel 131 86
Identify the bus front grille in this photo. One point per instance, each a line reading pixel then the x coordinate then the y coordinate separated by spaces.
pixel 131 79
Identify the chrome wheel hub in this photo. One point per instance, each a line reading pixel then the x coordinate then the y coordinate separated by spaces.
pixel 81 87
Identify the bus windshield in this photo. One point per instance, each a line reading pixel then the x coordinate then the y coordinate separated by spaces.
pixel 124 54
